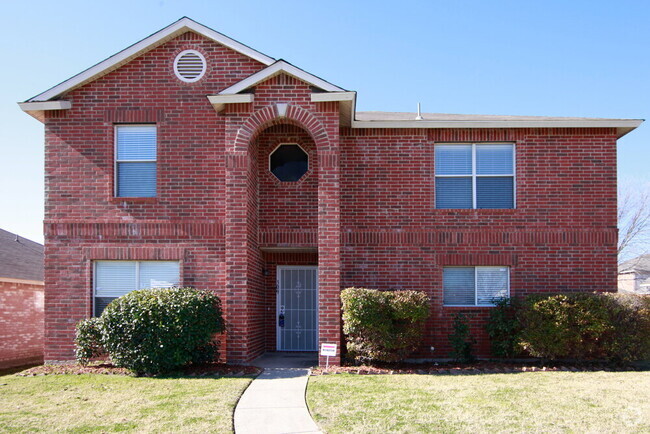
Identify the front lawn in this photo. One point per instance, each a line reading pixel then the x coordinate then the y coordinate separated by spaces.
pixel 530 401
pixel 109 403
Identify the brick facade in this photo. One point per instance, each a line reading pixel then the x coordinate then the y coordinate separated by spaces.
pixel 21 322
pixel 364 213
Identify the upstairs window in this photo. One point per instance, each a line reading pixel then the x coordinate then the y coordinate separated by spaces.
pixel 471 176
pixel 135 160
pixel 115 278
pixel 474 286
pixel 289 163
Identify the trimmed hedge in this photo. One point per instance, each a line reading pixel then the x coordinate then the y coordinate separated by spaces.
pixel 576 326
pixel 384 326
pixel 151 331
pixel 503 328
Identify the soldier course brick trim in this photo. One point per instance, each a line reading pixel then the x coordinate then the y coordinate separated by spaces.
pixel 364 213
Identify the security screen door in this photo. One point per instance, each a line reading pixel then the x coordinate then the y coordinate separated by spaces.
pixel 297 308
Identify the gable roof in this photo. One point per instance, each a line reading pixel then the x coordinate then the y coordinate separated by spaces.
pixel 638 264
pixel 20 258
pixel 115 61
pixel 49 100
pixel 277 68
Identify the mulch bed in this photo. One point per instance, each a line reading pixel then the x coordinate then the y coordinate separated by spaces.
pixel 459 369
pixel 105 368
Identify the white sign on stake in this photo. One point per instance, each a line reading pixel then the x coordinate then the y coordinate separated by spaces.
pixel 328 350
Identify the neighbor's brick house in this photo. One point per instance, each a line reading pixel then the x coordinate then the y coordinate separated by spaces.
pixel 21 301
pixel 171 161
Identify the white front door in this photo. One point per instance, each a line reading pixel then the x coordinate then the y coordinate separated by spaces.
pixel 297 308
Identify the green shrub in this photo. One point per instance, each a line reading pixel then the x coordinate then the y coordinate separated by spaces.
pixel 461 340
pixel 88 340
pixel 151 331
pixel 586 326
pixel 383 326
pixel 630 337
pixel 503 327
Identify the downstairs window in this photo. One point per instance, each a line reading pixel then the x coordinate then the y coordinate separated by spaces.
pixel 474 286
pixel 113 279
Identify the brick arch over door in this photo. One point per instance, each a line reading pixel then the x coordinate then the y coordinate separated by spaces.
pixel 269 116
pixel 242 257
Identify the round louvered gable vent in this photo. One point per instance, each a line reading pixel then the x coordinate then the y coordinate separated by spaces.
pixel 189 66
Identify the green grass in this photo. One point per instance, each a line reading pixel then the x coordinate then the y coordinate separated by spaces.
pixel 524 402
pixel 102 403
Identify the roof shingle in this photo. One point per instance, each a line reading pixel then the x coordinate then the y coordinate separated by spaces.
pixel 20 258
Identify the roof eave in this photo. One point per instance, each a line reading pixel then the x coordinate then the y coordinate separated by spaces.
pixel 37 109
pixel 623 126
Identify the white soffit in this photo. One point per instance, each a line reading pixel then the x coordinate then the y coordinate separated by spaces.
pixel 36 109
pixel 219 101
pixel 347 100
pixel 277 68
pixel 115 61
pixel 333 96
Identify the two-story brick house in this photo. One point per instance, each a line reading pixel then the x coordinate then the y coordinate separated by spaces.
pixel 190 158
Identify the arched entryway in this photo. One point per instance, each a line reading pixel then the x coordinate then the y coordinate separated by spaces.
pixel 288 225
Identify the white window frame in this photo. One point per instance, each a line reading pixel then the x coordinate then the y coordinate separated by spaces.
pixel 116 161
pixel 137 275
pixel 475 175
pixel 476 285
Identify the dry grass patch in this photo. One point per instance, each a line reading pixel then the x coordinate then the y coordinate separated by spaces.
pixel 100 403
pixel 529 402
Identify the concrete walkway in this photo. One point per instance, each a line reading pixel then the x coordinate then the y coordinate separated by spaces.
pixel 275 401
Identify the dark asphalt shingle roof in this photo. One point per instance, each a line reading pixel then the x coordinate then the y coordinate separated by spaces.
pixel 20 258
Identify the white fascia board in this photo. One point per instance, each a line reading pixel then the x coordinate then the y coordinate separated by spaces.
pixel 126 55
pixel 333 96
pixel 45 105
pixel 596 123
pixel 219 101
pixel 277 68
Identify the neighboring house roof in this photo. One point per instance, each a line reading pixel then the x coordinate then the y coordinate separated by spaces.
pixel 20 258
pixel 50 99
pixel 640 264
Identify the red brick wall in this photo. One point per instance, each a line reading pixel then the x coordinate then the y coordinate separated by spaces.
pixel 287 206
pixel 21 323
pixel 560 237
pixel 367 204
pixel 186 217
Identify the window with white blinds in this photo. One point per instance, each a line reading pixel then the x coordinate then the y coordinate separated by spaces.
pixel 477 175
pixel 474 286
pixel 135 160
pixel 113 279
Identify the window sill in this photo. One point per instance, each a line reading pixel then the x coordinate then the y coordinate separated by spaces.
pixel 134 199
pixel 475 211
pixel 467 306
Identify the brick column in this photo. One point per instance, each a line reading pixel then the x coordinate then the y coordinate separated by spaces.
pixel 329 249
pixel 236 231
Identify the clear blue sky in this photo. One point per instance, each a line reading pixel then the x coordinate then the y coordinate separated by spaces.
pixel 555 58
